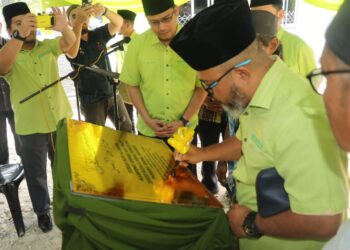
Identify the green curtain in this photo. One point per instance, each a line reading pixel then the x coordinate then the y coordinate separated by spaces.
pixel 92 223
pixel 326 4
pixel 134 5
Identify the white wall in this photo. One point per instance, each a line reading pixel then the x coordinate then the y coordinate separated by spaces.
pixel 311 25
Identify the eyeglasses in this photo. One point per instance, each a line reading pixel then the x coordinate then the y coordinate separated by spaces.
pixel 318 79
pixel 209 88
pixel 165 20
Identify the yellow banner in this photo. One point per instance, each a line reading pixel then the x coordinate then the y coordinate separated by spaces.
pixel 116 164
pixel 134 5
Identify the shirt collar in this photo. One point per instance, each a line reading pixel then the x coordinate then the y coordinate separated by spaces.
pixel 267 87
pixel 35 46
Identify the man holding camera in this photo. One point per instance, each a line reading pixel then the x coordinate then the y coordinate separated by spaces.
pixel 96 91
pixel 28 65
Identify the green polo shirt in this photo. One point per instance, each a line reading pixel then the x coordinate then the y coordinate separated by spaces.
pixel 166 81
pixel 32 70
pixel 285 126
pixel 120 60
pixel 296 53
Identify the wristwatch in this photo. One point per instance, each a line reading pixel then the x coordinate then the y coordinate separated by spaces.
pixel 250 227
pixel 18 36
pixel 184 121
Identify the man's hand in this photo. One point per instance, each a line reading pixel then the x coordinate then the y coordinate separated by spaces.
pixel 193 156
pixel 61 22
pixel 236 216
pixel 98 9
pixel 82 15
pixel 221 171
pixel 213 105
pixel 28 25
pixel 172 127
pixel 156 125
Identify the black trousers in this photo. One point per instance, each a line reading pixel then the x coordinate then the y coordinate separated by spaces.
pixel 130 109
pixel 209 133
pixel 4 150
pixel 97 113
pixel 35 150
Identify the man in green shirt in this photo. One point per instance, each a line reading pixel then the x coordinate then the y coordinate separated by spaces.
pixel 296 53
pixel 163 88
pixel 28 65
pixel 127 30
pixel 283 124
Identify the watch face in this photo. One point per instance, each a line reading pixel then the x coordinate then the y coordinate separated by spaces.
pixel 248 231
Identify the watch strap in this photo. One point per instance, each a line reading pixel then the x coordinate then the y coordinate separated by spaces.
pixel 184 121
pixel 18 36
pixel 250 227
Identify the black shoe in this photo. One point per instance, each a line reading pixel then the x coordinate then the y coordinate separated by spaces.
pixel 45 222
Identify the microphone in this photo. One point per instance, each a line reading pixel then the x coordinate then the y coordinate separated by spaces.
pixel 120 43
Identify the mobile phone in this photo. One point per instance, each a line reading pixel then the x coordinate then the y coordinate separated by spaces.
pixel 86 2
pixel 45 21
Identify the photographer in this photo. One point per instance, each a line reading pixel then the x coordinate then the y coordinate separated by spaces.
pixel 28 65
pixel 96 91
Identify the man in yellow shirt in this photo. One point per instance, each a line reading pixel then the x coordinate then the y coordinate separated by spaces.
pixel 296 53
pixel 283 124
pixel 163 88
pixel 28 65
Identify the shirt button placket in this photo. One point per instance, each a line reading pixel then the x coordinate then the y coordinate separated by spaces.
pixel 167 82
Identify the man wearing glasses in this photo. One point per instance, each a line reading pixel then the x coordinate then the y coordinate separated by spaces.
pixel 163 88
pixel 333 82
pixel 283 125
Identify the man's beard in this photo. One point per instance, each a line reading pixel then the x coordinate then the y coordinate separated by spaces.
pixel 29 42
pixel 237 103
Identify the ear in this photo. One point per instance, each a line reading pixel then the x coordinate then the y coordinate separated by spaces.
pixel 281 14
pixel 273 45
pixel 177 10
pixel 242 74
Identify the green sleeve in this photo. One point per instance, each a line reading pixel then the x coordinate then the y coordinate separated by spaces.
pixel 312 165
pixel 130 73
pixel 306 60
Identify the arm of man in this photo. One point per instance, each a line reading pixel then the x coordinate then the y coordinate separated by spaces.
pixel 287 224
pixel 115 21
pixel 9 51
pixel 68 37
pixel 229 149
pixel 137 100
pixel 82 16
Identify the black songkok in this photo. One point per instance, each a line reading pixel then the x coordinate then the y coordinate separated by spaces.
pixel 256 3
pixel 155 7
pixel 265 23
pixel 14 9
pixel 127 15
pixel 215 35
pixel 338 33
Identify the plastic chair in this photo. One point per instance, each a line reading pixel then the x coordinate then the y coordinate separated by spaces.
pixel 11 176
